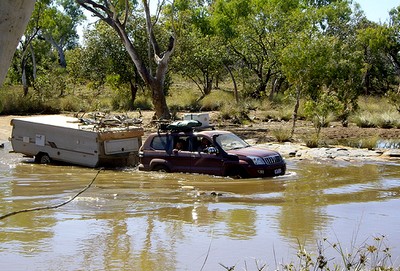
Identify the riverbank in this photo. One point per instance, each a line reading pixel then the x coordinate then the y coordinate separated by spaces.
pixel 300 151
pixel 259 133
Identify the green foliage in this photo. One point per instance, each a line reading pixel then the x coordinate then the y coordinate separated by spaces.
pixel 216 100
pixel 376 112
pixel 270 48
pixel 389 120
pixel 206 62
pixel 320 109
pixel 121 98
pixel 143 102
pixel 72 103
pixel 184 100
pixel 282 134
pixel 236 113
pixel 312 141
pixel 52 83
pixel 369 142
pixel 394 99
pixel 386 120
pixel 365 120
pixel 15 102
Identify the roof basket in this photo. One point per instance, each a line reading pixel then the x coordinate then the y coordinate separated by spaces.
pixel 180 126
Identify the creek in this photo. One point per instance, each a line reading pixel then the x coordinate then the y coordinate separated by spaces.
pixel 131 220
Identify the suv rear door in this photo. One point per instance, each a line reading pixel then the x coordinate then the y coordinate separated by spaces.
pixel 179 159
pixel 163 153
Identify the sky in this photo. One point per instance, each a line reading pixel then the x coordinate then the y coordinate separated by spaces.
pixel 378 10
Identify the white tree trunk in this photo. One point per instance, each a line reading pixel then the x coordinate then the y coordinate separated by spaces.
pixel 14 16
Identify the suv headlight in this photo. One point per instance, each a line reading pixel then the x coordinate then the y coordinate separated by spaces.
pixel 257 160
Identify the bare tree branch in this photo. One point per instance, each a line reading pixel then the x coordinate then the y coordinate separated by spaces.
pixel 149 28
pixel 109 14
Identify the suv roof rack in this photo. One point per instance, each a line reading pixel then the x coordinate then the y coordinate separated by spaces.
pixel 180 126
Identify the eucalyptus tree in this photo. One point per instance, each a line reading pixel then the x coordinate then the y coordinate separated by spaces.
pixel 47 23
pixel 26 52
pixel 200 53
pixel 394 43
pixel 103 59
pixel 117 15
pixel 14 19
pixel 59 26
pixel 394 52
pixel 254 31
pixel 381 45
pixel 320 61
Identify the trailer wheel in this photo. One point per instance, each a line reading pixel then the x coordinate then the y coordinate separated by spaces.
pixel 42 158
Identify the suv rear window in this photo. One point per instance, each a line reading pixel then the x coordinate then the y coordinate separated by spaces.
pixel 160 142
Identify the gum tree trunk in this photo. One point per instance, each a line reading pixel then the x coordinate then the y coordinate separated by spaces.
pixel 14 17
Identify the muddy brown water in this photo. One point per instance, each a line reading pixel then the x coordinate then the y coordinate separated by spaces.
pixel 131 220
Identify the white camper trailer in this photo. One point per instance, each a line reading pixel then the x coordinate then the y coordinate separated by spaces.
pixel 71 140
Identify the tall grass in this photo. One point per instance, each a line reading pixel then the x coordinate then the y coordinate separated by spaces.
pixel 282 134
pixel 376 112
pixel 371 255
pixel 216 100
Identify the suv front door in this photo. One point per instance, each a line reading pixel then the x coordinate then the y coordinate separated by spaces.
pixel 203 162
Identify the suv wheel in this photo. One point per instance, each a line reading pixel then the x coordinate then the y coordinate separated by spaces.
pixel 161 168
pixel 236 173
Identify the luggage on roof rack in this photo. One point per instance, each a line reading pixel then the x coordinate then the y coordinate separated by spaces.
pixel 181 125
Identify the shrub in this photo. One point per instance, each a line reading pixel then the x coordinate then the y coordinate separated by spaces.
pixel 312 141
pixel 282 134
pixel 394 99
pixel 71 104
pixel 216 100
pixel 364 120
pixel 143 102
pixel 388 120
pixel 183 100
pixel 237 113
pixel 369 143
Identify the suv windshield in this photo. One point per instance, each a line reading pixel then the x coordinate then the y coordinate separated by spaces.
pixel 231 142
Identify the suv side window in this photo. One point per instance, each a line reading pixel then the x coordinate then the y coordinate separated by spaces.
pixel 182 143
pixel 161 143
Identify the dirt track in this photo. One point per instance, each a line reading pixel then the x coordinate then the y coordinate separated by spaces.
pixel 5 128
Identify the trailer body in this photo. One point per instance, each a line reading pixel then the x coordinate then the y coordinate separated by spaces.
pixel 67 139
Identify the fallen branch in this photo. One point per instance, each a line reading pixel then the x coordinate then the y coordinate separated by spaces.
pixel 54 206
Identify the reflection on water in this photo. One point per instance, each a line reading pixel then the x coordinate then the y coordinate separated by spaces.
pixel 131 220
pixel 366 142
pixel 389 144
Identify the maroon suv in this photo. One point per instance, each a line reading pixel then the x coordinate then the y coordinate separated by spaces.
pixel 208 152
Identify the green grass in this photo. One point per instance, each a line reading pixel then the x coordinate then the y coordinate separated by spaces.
pixel 312 141
pixel 282 134
pixel 372 254
pixel 376 112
